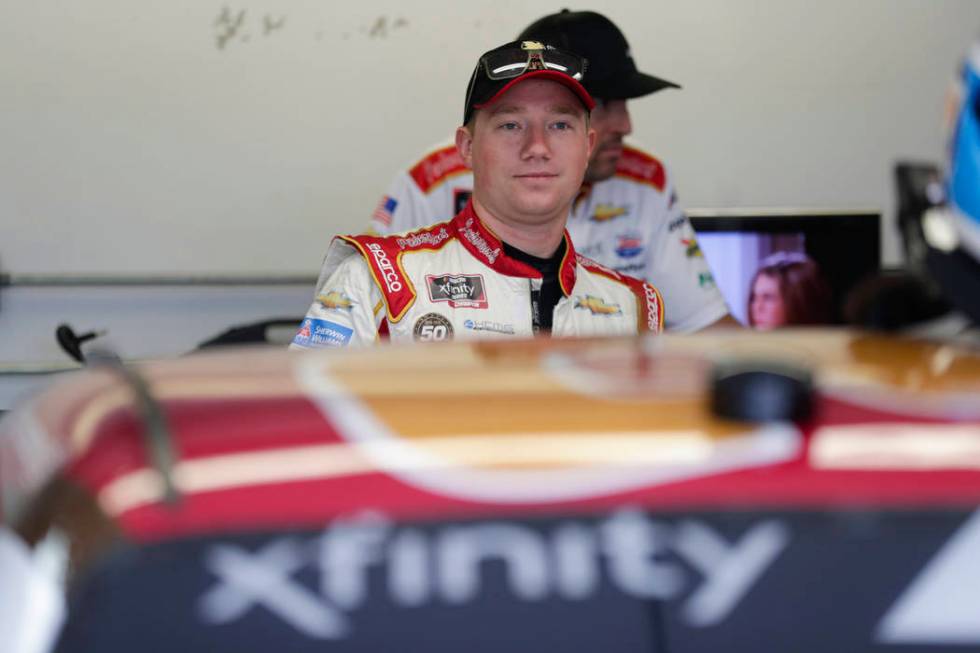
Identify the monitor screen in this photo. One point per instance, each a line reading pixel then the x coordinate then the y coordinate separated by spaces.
pixel 837 248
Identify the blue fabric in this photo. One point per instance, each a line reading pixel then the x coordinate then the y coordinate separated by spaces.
pixel 964 182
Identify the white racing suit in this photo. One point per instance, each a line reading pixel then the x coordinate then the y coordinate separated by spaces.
pixel 630 222
pixel 453 280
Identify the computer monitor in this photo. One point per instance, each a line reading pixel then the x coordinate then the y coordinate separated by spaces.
pixel 845 244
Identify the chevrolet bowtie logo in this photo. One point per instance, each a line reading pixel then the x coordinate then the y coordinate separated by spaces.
pixel 604 212
pixel 597 306
pixel 335 299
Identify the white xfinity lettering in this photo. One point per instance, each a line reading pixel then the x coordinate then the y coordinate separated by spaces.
pixel 571 561
pixel 392 281
pixel 263 578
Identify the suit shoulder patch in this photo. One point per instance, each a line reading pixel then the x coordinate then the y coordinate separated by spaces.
pixel 436 167
pixel 642 167
pixel 381 255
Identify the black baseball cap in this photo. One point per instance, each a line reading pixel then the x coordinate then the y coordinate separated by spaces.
pixel 503 67
pixel 612 73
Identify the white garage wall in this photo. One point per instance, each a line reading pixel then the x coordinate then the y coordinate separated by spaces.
pixel 131 143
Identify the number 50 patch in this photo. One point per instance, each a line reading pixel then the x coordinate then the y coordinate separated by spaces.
pixel 433 327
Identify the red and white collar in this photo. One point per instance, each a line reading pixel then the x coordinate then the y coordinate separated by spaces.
pixel 485 246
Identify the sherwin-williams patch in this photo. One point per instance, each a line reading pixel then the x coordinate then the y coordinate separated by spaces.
pixel 322 333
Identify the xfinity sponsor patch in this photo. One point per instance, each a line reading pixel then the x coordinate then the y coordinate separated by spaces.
pixel 597 306
pixel 458 290
pixel 629 245
pixel 606 212
pixel 322 333
pixel 433 327
pixel 487 325
pixel 335 300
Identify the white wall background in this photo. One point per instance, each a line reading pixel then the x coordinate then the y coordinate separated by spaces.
pixel 131 143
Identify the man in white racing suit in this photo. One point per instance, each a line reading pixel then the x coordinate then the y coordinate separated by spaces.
pixel 504 266
pixel 626 215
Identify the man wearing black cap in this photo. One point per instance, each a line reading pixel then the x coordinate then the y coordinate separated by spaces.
pixel 626 215
pixel 504 266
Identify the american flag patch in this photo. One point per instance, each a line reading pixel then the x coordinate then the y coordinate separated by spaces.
pixel 384 210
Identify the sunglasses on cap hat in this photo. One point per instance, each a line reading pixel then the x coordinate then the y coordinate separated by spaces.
pixel 500 68
pixel 510 62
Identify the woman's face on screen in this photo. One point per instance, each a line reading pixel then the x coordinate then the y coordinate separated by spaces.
pixel 766 305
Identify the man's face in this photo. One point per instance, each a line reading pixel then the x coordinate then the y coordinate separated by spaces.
pixel 611 121
pixel 528 151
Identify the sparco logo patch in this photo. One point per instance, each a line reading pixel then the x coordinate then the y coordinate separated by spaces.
pixel 459 290
pixel 433 327
pixel 392 280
